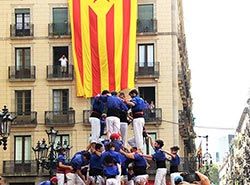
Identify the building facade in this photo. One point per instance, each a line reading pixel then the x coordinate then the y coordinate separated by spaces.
pixel 235 170
pixel 35 34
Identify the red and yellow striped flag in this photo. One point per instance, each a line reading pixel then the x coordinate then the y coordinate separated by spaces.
pixel 103 43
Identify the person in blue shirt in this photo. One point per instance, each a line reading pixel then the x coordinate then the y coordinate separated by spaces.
pixel 52 181
pixel 98 107
pixel 140 165
pixel 114 106
pixel 95 165
pixel 79 160
pixel 62 167
pixel 138 107
pixel 175 159
pixel 160 158
pixel 110 170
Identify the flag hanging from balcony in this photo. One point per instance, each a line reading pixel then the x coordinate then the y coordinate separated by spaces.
pixel 103 44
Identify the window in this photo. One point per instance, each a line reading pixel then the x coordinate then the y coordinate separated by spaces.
pixel 145 18
pixel 22 21
pixel 58 52
pixel 146 55
pixel 147 147
pixel 60 21
pixel 23 102
pixel 22 148
pixel 147 93
pixel 61 100
pixel 22 58
pixel 62 138
pixel 145 11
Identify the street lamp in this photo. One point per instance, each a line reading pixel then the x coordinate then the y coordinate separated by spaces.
pixel 46 154
pixel 5 124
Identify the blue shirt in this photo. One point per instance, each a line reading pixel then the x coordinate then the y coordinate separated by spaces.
pixel 139 160
pixel 45 183
pixel 110 171
pixel 115 155
pixel 95 162
pixel 98 104
pixel 159 155
pixel 175 161
pixel 78 161
pixel 113 102
pixel 118 145
pixel 140 104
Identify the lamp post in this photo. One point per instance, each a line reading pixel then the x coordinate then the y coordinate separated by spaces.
pixel 5 124
pixel 207 158
pixel 46 154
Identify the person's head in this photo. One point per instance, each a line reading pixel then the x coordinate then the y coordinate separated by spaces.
pixel 63 56
pixel 178 179
pixel 190 177
pixel 114 93
pixel 115 136
pixel 105 92
pixel 122 95
pixel 99 147
pixel 109 160
pixel 93 143
pixel 174 149
pixel 110 146
pixel 158 143
pixel 86 155
pixel 53 180
pixel 133 93
pixel 134 149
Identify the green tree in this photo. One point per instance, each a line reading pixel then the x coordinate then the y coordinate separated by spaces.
pixel 212 172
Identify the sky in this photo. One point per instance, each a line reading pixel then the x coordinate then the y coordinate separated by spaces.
pixel 218 44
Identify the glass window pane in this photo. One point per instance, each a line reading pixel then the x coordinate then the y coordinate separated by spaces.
pixel 18 148
pixel 27 148
pixel 19 21
pixel 26 21
pixel 145 12
pixel 19 57
pixel 141 55
pixel 150 55
pixel 27 58
pixel 57 100
pixel 65 137
pixel 60 20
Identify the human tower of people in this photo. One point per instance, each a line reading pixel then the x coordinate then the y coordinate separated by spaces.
pixel 108 161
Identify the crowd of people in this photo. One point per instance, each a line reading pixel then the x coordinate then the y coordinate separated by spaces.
pixel 109 161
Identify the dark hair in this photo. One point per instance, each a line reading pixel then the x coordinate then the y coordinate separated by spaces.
pixel 114 93
pixel 104 92
pixel 98 146
pixel 175 148
pixel 190 177
pixel 109 146
pixel 86 154
pixel 133 91
pixel 121 93
pixel 160 142
pixel 108 160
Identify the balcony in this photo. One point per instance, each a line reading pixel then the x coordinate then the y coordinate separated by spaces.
pixel 143 70
pixel 25 33
pixel 54 72
pixel 146 26
pixel 26 73
pixel 153 116
pixel 57 30
pixel 60 118
pixel 25 119
pixel 19 168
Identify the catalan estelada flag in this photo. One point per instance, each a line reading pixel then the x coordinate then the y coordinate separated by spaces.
pixel 103 44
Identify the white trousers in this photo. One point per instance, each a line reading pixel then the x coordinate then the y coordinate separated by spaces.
pixel 98 180
pixel 137 140
pixel 74 179
pixel 112 125
pixel 95 128
pixel 60 178
pixel 124 132
pixel 112 181
pixel 160 177
pixel 141 179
